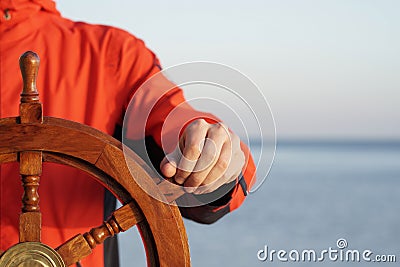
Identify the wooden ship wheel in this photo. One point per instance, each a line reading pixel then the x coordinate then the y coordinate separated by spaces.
pixel 31 139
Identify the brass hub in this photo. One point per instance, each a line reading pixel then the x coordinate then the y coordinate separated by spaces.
pixel 31 254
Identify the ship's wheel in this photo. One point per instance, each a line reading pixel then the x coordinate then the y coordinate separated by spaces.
pixel 31 139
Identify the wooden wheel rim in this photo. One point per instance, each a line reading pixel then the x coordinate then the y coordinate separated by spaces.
pixel 163 226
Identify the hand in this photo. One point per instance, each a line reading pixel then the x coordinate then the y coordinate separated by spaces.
pixel 208 156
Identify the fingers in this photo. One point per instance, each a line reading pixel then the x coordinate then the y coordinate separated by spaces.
pixel 207 157
pixel 224 172
pixel 218 170
pixel 168 168
pixel 193 137
pixel 217 142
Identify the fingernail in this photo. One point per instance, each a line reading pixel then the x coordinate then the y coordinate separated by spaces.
pixel 189 189
pixel 198 192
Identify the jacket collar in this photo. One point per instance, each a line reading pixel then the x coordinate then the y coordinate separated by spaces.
pixel 18 17
pixel 13 11
pixel 47 5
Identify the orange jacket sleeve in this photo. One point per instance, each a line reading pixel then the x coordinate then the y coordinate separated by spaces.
pixel 151 104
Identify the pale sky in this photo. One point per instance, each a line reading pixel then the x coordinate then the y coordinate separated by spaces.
pixel 327 68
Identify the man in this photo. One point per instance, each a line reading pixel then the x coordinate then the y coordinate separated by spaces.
pixel 88 74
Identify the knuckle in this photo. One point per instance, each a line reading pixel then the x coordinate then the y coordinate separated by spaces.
pixel 219 131
pixel 220 127
pixel 198 123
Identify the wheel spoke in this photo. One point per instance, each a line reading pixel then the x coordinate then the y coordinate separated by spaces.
pixel 81 246
pixel 30 220
pixel 30 162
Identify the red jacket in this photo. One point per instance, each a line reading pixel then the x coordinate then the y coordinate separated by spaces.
pixel 88 74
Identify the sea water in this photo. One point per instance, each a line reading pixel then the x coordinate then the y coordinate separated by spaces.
pixel 323 204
